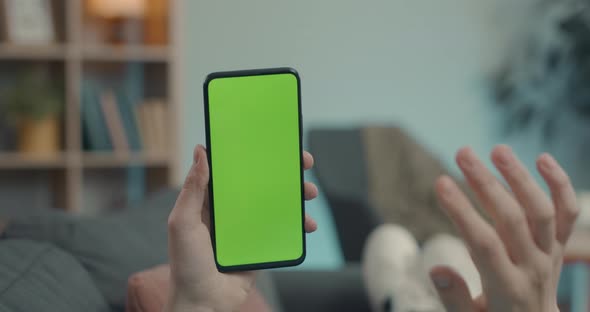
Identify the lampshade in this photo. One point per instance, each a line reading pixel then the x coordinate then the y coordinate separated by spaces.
pixel 117 8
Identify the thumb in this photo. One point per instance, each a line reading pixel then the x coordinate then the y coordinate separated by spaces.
pixel 452 290
pixel 189 204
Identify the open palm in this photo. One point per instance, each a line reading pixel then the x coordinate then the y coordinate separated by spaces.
pixel 519 256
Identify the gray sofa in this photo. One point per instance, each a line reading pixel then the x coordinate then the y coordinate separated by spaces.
pixel 60 262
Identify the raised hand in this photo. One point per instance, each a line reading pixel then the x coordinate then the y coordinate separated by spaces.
pixel 520 255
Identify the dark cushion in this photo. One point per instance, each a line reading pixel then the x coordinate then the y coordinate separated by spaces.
pixel 40 277
pixel 111 248
pixel 322 291
pixel 341 171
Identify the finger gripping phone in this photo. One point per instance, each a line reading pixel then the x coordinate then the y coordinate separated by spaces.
pixel 253 129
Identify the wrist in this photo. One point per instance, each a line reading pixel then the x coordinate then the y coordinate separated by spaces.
pixel 179 306
pixel 178 303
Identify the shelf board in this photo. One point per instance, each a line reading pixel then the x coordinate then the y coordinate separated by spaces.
pixel 125 53
pixel 15 160
pixel 114 160
pixel 10 51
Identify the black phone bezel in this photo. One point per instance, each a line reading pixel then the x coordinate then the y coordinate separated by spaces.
pixel 244 73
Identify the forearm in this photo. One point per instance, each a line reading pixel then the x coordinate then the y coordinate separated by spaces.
pixel 178 308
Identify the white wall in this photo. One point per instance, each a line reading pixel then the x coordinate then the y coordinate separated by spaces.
pixel 422 64
pixel 419 63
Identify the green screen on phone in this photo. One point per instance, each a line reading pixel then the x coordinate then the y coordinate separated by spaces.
pixel 254 145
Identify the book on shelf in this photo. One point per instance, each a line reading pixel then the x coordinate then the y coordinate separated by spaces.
pixel 127 111
pixel 108 119
pixel 153 121
pixel 114 123
pixel 143 126
pixel 94 126
pixel 160 124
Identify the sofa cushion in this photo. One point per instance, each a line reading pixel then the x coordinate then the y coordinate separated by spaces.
pixel 112 247
pixel 40 277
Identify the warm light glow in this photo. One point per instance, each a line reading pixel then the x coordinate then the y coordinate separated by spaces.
pixel 117 8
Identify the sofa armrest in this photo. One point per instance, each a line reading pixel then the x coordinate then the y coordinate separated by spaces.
pixel 322 291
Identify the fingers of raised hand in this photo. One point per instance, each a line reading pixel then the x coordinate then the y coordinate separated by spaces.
pixel 563 195
pixel 537 206
pixel 509 218
pixel 482 240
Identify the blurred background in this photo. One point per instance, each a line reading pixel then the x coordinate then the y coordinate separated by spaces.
pixel 101 100
pixel 90 101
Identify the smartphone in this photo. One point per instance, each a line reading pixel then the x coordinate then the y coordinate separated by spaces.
pixel 254 145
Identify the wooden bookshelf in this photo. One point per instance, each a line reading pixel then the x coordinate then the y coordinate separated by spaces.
pixel 109 160
pixel 13 160
pixel 27 52
pixel 125 54
pixel 75 58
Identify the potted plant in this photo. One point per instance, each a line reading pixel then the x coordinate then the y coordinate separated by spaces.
pixel 545 87
pixel 34 105
pixel 548 77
